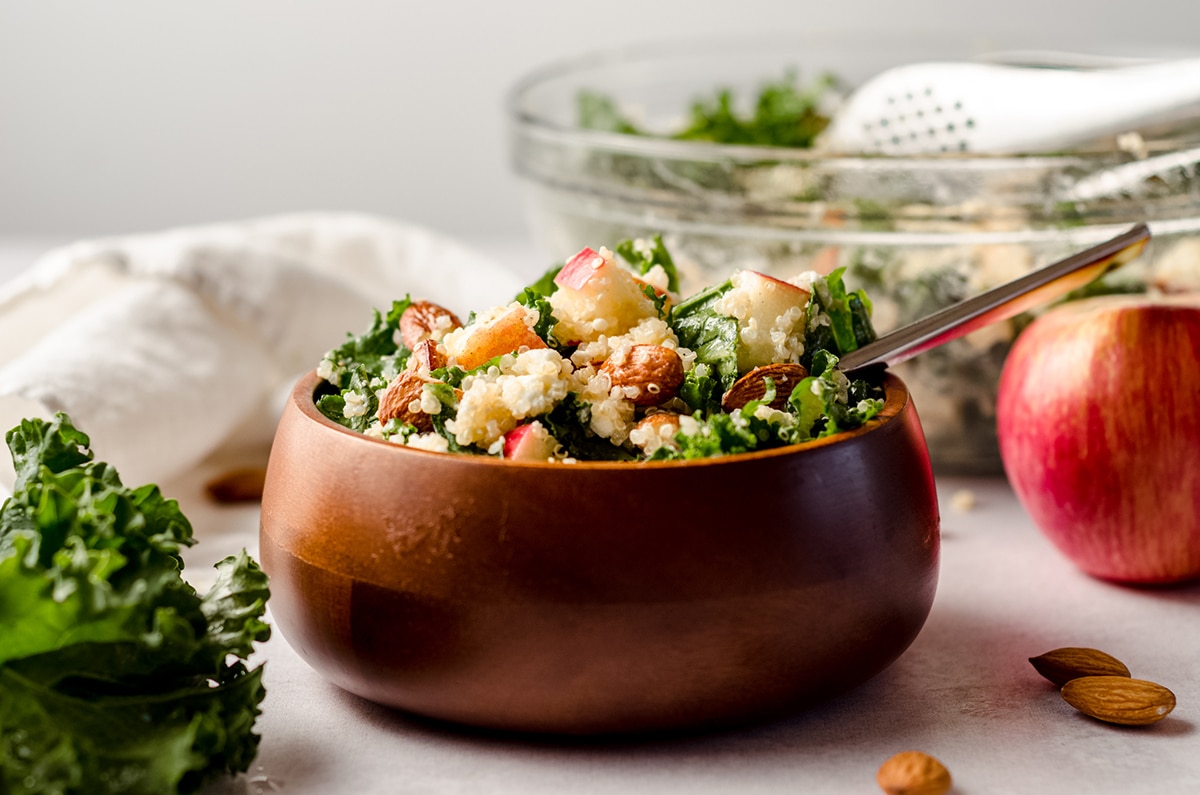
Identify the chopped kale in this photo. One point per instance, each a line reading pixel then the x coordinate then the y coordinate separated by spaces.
pixel 784 113
pixel 642 256
pixel 116 676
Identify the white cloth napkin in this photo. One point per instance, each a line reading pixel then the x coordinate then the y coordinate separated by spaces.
pixel 167 348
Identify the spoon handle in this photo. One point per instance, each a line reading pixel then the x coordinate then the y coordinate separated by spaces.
pixel 999 303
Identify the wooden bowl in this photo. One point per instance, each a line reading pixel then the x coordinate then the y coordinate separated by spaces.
pixel 599 597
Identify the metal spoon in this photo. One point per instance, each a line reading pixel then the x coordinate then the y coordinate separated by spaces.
pixel 999 303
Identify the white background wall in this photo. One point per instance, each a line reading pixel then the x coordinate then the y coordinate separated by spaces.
pixel 130 115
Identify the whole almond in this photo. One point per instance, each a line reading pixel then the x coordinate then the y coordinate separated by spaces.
pixel 753 385
pixel 1119 699
pixel 913 773
pixel 656 430
pixel 397 402
pixel 423 320
pixel 426 357
pixel 649 375
pixel 1071 662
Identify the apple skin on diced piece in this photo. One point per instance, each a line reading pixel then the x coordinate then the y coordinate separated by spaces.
pixel 761 304
pixel 597 296
pixel 507 333
pixel 529 442
pixel 580 269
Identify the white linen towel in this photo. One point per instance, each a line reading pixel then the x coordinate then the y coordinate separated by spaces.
pixel 166 348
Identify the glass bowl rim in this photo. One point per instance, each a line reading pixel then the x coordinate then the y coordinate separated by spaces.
pixel 538 127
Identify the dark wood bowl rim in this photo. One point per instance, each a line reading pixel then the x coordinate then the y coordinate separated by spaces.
pixel 896 399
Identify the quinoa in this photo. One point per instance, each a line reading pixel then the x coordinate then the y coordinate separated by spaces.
pixel 561 358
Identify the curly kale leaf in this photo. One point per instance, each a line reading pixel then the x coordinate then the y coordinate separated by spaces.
pixel 544 327
pixel 827 401
pixel 714 338
pixel 600 112
pixel 740 431
pixel 643 255
pixel 838 321
pixel 569 423
pixel 785 113
pixel 376 350
pixel 115 675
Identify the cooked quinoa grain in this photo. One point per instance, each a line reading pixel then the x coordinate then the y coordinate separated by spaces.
pixel 533 379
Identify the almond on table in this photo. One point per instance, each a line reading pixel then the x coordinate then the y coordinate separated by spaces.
pixel 1062 665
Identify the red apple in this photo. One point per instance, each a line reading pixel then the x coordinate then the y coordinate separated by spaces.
pixel 529 442
pixel 1099 423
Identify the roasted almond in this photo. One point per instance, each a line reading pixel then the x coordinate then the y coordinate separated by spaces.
pixel 655 430
pixel 913 773
pixel 753 385
pixel 648 375
pixel 1062 665
pixel 402 401
pixel 426 357
pixel 424 320
pixel 1119 699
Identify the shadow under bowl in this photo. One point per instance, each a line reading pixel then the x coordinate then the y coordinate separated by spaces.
pixel 599 597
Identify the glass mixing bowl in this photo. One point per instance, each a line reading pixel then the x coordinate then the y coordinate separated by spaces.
pixel 917 233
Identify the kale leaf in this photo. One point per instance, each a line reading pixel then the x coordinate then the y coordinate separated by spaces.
pixel 115 675
pixel 642 256
pixel 837 321
pixel 784 113
pixel 377 349
pixel 827 401
pixel 714 339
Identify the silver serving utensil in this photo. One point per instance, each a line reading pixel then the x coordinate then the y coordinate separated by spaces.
pixel 1000 303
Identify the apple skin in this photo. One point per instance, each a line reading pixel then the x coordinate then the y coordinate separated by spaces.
pixel 1098 417
pixel 580 269
pixel 760 301
pixel 529 442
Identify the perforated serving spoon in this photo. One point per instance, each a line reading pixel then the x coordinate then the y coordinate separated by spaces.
pixel 928 108
pixel 999 303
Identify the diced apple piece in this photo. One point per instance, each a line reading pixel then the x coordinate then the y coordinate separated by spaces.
pixel 508 332
pixel 595 296
pixel 529 442
pixel 665 295
pixel 770 314
pixel 580 269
